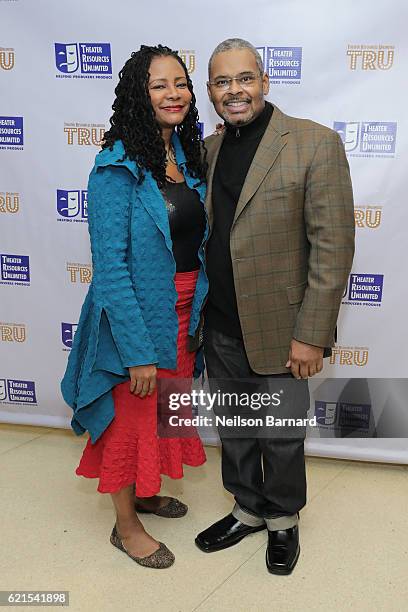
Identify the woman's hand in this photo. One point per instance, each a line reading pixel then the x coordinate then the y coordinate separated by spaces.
pixel 142 379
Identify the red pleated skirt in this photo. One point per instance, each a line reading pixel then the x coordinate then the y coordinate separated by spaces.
pixel 129 450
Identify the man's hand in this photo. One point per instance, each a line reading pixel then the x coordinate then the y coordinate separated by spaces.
pixel 142 379
pixel 304 359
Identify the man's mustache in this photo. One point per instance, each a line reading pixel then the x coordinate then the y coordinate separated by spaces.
pixel 237 100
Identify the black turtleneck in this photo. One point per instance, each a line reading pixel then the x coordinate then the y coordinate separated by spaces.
pixel 234 159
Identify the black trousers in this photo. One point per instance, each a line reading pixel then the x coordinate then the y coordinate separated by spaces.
pixel 266 475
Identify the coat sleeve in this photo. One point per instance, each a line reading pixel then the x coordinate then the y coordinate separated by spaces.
pixel 330 227
pixel 109 197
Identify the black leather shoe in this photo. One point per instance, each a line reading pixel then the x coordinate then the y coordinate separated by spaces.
pixel 283 550
pixel 224 533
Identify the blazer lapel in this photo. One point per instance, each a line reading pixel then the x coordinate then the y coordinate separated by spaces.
pixel 215 149
pixel 271 145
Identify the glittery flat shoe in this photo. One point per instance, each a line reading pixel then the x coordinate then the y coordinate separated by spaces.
pixel 160 559
pixel 173 509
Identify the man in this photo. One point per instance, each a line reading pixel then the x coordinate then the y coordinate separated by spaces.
pixel 280 209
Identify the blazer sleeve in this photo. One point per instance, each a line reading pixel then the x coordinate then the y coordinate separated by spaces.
pixel 109 197
pixel 330 228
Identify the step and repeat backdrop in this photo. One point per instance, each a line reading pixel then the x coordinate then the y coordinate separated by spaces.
pixel 343 65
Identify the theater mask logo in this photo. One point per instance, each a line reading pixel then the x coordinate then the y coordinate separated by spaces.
pixel 67 334
pixel 326 412
pixel 349 133
pixel 3 392
pixel 368 138
pixel 72 205
pixel 13 391
pixel 83 60
pixel 343 416
pixel 66 57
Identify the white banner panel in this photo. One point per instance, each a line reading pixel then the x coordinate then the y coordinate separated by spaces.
pixel 341 64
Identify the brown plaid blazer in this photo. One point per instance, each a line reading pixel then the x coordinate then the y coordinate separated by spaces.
pixel 292 238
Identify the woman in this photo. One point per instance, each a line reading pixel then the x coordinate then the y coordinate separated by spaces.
pixel 147 228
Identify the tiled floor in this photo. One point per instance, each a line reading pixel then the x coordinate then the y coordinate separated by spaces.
pixel 55 535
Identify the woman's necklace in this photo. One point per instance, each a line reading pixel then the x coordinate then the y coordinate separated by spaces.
pixel 171 155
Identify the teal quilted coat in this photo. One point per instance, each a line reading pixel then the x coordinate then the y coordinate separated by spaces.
pixel 128 317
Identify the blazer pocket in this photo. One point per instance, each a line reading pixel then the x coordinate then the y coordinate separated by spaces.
pixel 277 187
pixel 295 293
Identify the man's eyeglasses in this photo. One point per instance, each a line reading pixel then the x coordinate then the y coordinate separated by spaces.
pixel 245 80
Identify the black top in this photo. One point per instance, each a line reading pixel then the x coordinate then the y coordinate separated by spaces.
pixel 234 159
pixel 187 224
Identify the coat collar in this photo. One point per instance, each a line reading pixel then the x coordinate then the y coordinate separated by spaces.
pixel 117 156
pixel 150 194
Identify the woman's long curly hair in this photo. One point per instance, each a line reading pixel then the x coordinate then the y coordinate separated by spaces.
pixel 134 121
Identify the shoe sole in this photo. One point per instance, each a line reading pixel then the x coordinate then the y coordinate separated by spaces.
pixel 160 515
pixel 283 572
pixel 224 546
